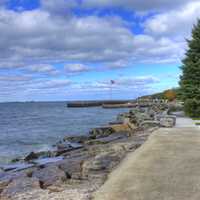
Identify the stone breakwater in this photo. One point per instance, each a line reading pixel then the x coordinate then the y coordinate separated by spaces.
pixel 77 166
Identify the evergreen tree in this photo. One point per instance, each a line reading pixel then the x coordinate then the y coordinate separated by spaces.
pixel 190 79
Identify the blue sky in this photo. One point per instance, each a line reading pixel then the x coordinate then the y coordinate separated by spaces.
pixel 71 49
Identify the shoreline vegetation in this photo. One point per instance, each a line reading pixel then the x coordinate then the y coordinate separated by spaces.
pixel 78 165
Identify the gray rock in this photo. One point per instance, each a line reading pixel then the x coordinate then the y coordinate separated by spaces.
pixel 101 132
pixel 20 185
pixel 16 167
pixel 50 175
pixel 68 146
pixel 45 161
pixel 149 124
pixel 31 156
pixel 106 140
pixel 73 167
pixel 76 139
pixel 101 163
pixel 168 121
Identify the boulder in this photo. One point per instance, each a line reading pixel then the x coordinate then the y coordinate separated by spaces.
pixel 106 140
pixel 168 121
pixel 122 127
pixel 101 132
pixel 72 167
pixel 19 185
pixel 150 124
pixel 45 161
pixel 16 167
pixel 100 163
pixel 31 156
pixel 50 175
pixel 76 139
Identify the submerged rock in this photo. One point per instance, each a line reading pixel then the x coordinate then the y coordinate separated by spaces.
pixel 45 161
pixel 16 167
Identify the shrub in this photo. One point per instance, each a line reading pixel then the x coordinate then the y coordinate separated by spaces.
pixel 170 95
pixel 192 107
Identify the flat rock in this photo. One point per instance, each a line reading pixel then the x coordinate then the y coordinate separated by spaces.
pixel 101 163
pixel 45 161
pixel 168 121
pixel 101 132
pixel 68 146
pixel 150 124
pixel 16 167
pixel 73 167
pixel 50 175
pixel 106 140
pixel 76 139
pixel 19 185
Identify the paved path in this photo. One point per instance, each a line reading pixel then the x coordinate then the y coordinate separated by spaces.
pixel 166 167
pixel 184 122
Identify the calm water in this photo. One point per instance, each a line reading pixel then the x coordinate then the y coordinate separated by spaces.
pixel 26 127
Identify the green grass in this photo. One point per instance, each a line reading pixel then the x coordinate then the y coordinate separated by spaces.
pixel 196 118
pixel 197 124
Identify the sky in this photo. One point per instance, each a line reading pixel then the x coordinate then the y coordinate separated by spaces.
pixel 71 49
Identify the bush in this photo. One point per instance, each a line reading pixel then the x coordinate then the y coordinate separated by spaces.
pixel 192 108
pixel 170 95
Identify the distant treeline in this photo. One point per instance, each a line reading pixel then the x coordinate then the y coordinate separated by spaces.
pixel 170 94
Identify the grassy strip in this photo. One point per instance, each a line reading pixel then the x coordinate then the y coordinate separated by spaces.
pixel 196 118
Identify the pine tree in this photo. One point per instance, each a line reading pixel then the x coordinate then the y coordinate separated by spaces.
pixel 190 79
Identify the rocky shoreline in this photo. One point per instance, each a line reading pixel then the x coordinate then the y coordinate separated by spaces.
pixel 77 166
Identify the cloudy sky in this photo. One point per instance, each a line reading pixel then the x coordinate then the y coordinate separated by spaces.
pixel 71 49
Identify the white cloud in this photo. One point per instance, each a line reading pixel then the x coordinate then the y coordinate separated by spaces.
pixel 136 5
pixel 76 68
pixel 43 69
pixel 175 23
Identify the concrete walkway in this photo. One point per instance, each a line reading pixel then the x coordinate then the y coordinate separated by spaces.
pixel 184 122
pixel 166 167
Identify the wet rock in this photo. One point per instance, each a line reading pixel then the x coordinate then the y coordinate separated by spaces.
pixel 45 161
pixel 16 167
pixel 68 146
pixel 106 140
pixel 31 156
pixel 19 185
pixel 50 175
pixel 101 132
pixel 76 139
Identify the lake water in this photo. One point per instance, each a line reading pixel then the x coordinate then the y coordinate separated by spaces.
pixel 26 127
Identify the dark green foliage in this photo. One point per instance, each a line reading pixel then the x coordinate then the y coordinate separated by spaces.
pixel 190 79
pixel 192 107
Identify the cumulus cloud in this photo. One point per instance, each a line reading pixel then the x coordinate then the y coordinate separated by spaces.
pixel 42 69
pixel 54 34
pixel 76 68
pixel 175 23
pixel 136 5
pixel 37 36
pixel 123 83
